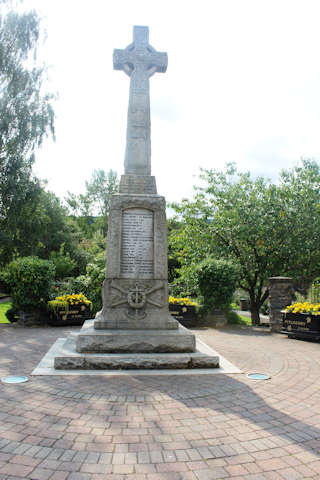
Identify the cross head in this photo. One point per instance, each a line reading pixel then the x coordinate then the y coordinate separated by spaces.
pixel 139 60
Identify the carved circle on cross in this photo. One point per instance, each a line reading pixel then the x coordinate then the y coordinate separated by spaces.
pixel 137 297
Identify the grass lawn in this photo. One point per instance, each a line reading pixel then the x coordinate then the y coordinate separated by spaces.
pixel 3 308
pixel 246 320
pixel 237 319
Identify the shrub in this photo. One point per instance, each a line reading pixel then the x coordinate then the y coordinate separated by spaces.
pixel 90 284
pixel 69 286
pixel 314 291
pixel 186 285
pixel 63 263
pixel 29 279
pixel 12 315
pixel 4 281
pixel 96 272
pixel 217 280
pixel 81 258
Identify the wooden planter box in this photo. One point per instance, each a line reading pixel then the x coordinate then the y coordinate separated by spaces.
pixel 76 315
pixel 302 325
pixel 185 314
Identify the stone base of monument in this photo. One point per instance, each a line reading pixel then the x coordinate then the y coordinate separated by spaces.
pixel 96 349
pixel 91 340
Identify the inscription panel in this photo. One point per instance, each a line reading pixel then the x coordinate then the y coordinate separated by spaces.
pixel 137 243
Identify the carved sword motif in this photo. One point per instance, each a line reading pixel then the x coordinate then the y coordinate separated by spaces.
pixel 137 296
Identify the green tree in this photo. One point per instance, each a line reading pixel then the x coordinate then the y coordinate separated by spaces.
pixel 52 234
pixel 26 117
pixel 266 229
pixel 217 281
pixel 51 227
pixel 92 208
pixel 42 228
pixel 300 219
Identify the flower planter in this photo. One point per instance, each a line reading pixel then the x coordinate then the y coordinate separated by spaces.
pixel 301 325
pixel 76 315
pixel 185 314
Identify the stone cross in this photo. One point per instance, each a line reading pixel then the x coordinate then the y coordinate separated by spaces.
pixel 140 61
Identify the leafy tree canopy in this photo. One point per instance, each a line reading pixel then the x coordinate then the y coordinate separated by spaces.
pixel 40 227
pixel 26 116
pixel 95 202
pixel 266 229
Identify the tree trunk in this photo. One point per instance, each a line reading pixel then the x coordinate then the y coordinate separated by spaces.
pixel 254 308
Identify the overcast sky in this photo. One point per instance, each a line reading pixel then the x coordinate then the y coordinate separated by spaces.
pixel 242 84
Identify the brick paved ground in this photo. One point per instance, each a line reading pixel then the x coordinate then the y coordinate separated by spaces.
pixel 163 427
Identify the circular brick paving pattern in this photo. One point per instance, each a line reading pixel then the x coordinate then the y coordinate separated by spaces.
pixel 197 427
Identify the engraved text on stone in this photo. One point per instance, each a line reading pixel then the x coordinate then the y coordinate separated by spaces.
pixel 137 243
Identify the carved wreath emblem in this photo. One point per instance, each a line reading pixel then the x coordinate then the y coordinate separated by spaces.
pixel 136 297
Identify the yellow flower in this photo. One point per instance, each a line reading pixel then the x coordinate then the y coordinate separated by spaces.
pixel 305 307
pixel 182 301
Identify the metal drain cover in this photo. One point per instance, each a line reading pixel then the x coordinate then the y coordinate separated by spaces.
pixel 258 376
pixel 15 379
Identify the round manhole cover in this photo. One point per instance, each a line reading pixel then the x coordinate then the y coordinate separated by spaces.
pixel 258 376
pixel 15 379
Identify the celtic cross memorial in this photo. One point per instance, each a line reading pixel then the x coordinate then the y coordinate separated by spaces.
pixel 134 328
pixel 140 61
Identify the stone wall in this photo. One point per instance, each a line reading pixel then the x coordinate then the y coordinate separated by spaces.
pixel 281 294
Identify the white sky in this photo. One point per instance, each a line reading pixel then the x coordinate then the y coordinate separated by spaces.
pixel 242 84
